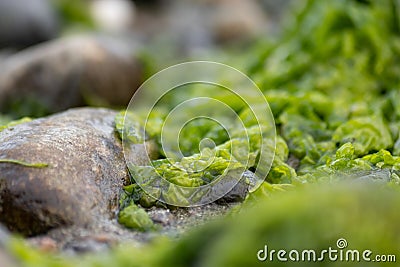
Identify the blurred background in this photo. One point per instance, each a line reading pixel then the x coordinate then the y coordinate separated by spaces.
pixel 58 54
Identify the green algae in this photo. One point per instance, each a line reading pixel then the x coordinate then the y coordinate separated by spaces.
pixel 25 164
pixel 332 82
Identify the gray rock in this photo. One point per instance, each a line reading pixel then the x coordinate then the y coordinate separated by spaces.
pixel 239 191
pixel 161 216
pixel 375 176
pixel 67 73
pixel 86 171
pixel 23 24
pixel 236 20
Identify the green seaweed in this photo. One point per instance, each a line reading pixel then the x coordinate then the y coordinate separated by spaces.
pixel 136 218
pixel 131 130
pixel 366 133
pixel 332 84
pixel 23 163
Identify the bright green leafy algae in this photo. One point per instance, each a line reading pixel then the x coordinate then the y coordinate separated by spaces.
pixel 200 165
pixel 332 82
pixel 368 133
pixel 135 217
pixel 333 79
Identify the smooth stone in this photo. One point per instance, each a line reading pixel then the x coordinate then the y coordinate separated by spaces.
pixel 86 171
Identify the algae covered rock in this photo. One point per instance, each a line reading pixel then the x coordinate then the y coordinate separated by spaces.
pixel 66 169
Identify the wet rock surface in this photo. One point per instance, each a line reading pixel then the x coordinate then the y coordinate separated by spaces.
pixel 238 192
pixel 67 73
pixel 85 171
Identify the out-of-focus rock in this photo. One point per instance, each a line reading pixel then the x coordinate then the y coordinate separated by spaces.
pixel 236 20
pixel 44 244
pixel 87 244
pixel 192 28
pixel 67 73
pixel 81 184
pixel 6 53
pixel 113 16
pixel 25 23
